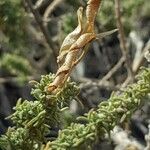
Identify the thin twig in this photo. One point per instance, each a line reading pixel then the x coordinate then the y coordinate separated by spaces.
pixel 40 3
pixel 50 9
pixel 147 138
pixel 126 82
pixel 43 29
pixel 113 70
pixel 141 58
pixel 86 82
pixel 122 40
pixel 139 44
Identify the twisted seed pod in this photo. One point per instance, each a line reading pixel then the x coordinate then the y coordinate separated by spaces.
pixel 64 71
pixel 71 37
pixel 82 41
pixel 91 12
pixel 73 44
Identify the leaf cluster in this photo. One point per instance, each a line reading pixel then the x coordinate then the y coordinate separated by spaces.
pixel 12 20
pixel 118 108
pixel 34 120
pixel 16 65
pixel 129 11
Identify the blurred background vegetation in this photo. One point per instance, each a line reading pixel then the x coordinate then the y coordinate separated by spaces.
pixel 25 53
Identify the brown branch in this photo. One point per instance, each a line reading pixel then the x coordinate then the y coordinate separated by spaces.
pixel 49 10
pixel 87 82
pixel 122 40
pixel 141 58
pixel 40 3
pixel 113 70
pixel 126 82
pixel 43 29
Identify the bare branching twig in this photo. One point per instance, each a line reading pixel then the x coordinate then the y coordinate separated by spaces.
pixel 147 138
pixel 141 58
pixel 103 84
pixel 123 41
pixel 39 3
pixel 49 10
pixel 43 29
pixel 113 70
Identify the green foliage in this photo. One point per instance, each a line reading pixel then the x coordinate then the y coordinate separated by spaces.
pixel 16 65
pixel 12 20
pixel 73 3
pixel 119 107
pixel 34 119
pixel 17 139
pixel 64 96
pixel 28 113
pixel 130 13
pixel 69 23
pixel 13 33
